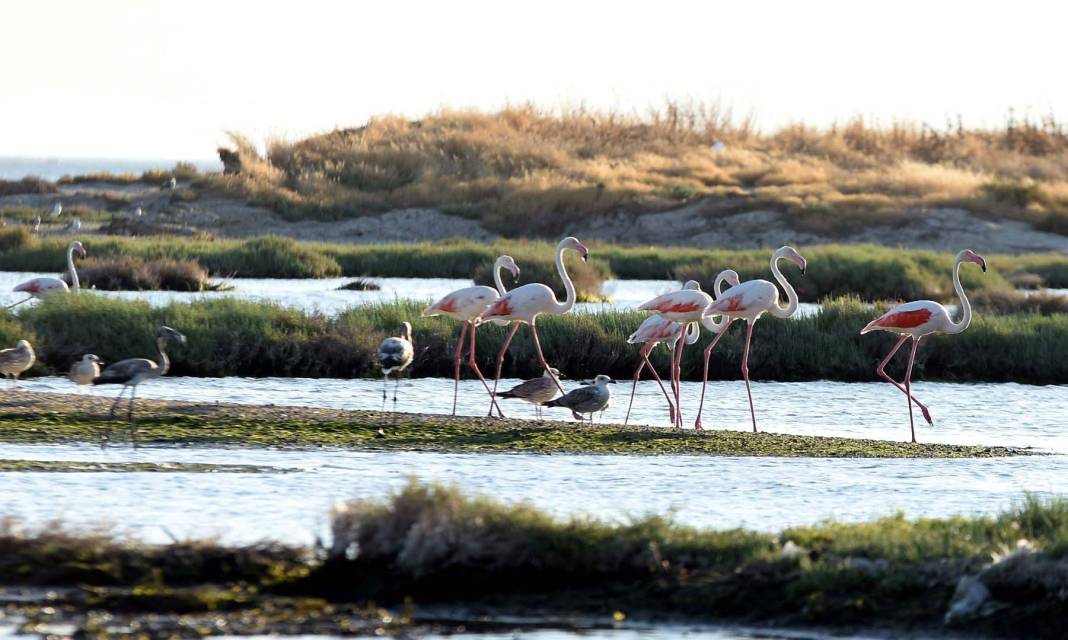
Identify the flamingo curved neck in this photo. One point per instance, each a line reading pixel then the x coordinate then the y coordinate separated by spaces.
pixel 715 324
pixel 164 361
pixel 569 301
pixel 791 295
pixel 74 284
pixel 497 266
pixel 965 306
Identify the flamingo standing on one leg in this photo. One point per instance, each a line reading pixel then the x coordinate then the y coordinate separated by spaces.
pixel 467 305
pixel 524 304
pixel 686 306
pixel 395 354
pixel 47 285
pixel 918 319
pixel 752 299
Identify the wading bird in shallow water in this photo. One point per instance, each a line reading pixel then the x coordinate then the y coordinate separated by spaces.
pixel 524 304
pixel 536 391
pixel 654 330
pixel 918 319
pixel 133 371
pixel 593 397
pixel 14 361
pixel 752 299
pixel 395 354
pixel 48 285
pixel 467 305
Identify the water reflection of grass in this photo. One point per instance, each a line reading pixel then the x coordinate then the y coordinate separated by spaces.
pixel 432 545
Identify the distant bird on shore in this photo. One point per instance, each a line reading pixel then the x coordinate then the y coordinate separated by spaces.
pixel 536 391
pixel 36 224
pixel 133 371
pixel 467 305
pixel 594 397
pixel 138 213
pixel 84 371
pixel 752 299
pixel 171 184
pixel 14 361
pixel 919 319
pixel 74 226
pixel 57 210
pixel 524 304
pixel 395 354
pixel 47 285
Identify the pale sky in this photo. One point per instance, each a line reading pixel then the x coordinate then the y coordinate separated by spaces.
pixel 165 79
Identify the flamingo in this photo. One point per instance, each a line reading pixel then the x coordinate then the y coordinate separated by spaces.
pixel 918 319
pixel 752 299
pixel 395 354
pixel 654 330
pixel 467 305
pixel 48 285
pixel 524 304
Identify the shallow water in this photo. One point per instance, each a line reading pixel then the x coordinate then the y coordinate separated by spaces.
pixel 985 414
pixel 323 296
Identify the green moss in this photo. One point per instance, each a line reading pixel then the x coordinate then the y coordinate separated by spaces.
pixel 60 466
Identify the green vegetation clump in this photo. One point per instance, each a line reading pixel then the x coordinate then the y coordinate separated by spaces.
pixel 130 273
pixel 235 337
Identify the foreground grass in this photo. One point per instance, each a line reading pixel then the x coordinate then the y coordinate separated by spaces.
pixel 37 418
pixel 230 337
pixel 431 545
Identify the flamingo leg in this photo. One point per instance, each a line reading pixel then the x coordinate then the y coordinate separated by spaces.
pixel 634 387
pixel 704 380
pixel 745 373
pixel 12 306
pixel 129 417
pixel 881 370
pixel 473 363
pixel 908 386
pixel 500 360
pixel 114 405
pixel 680 345
pixel 396 386
pixel 541 358
pixel 656 376
pixel 385 381
pixel 456 366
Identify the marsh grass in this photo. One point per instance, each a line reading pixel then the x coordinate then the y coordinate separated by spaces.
pixel 129 273
pixel 26 215
pixel 234 337
pixel 525 170
pixel 29 184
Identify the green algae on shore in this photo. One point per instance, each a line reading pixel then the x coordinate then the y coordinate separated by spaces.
pixel 90 466
pixel 38 417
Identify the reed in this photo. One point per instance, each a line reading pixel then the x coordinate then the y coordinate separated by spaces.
pixel 130 273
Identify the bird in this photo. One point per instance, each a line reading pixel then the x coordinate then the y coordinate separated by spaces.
pixel 395 354
pixel 36 224
pixel 171 184
pixel 48 285
pixel 467 305
pixel 717 328
pixel 654 330
pixel 16 360
pixel 590 399
pixel 84 371
pixel 74 226
pixel 138 213
pixel 133 371
pixel 535 391
pixel 524 304
pixel 918 319
pixel 57 210
pixel 752 299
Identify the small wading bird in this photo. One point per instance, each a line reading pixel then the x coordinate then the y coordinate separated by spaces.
pixel 395 354
pixel 536 391
pixel 133 371
pixel 48 285
pixel 84 371
pixel 590 399
pixel 918 319
pixel 467 305
pixel 524 304
pixel 16 360
pixel 57 210
pixel 752 299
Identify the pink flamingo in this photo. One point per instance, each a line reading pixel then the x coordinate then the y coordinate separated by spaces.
pixel 467 305
pixel 524 304
pixel 752 299
pixel 47 285
pixel 918 319
pixel 654 330
pixel 686 306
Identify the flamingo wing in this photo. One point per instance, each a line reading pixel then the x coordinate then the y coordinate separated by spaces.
pixel 686 301
pixel 747 297
pixel 123 371
pixel 918 317
pixel 45 284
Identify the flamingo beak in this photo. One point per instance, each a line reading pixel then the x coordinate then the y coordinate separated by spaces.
pixel 515 273
pixel 981 261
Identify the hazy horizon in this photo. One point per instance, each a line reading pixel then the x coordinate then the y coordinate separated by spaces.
pixel 165 80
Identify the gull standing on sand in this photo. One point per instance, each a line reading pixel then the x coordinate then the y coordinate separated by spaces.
pixel 84 371
pixel 536 391
pixel 15 361
pixel 594 397
pixel 395 354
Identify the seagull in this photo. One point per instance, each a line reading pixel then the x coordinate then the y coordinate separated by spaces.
pixel 75 225
pixel 36 224
pixel 590 399
pixel 172 184
pixel 536 391
pixel 14 361
pixel 57 209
